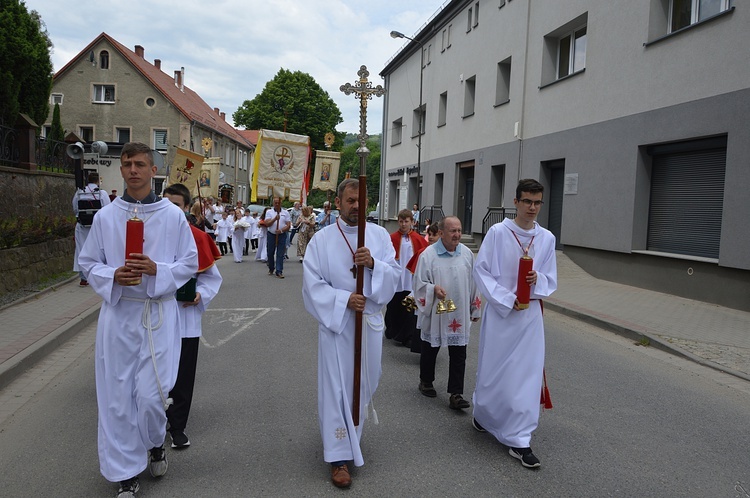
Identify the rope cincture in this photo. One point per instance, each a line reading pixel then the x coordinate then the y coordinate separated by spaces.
pixel 146 322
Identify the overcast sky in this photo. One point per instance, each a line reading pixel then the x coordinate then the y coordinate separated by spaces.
pixel 231 48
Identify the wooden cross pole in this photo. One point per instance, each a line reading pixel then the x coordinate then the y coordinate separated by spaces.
pixel 364 91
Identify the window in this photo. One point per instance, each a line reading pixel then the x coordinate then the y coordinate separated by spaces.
pixel 687 197
pixel 56 98
pixel 469 96
pixel 448 40
pixel 571 54
pixel 418 120
pixel 476 14
pixel 442 42
pixel 396 128
pixel 86 133
pixel 683 13
pixel 565 50
pixel 103 59
pixel 160 140
pixel 46 130
pixel 469 19
pixel 104 93
pixel 502 88
pixel 442 109
pixel 122 135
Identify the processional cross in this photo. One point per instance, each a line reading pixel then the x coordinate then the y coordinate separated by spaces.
pixel 364 91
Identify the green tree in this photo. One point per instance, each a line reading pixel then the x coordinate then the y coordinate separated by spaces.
pixel 25 64
pixel 56 130
pixel 294 98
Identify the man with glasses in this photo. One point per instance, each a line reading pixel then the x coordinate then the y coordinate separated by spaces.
pixel 511 345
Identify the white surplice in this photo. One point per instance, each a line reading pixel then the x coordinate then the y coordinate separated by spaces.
pixel 238 243
pixel 511 344
pixel 91 192
pixel 327 285
pixel 132 417
pixel 207 284
pixel 454 274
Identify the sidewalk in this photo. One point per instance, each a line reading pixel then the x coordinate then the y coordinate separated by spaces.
pixel 706 333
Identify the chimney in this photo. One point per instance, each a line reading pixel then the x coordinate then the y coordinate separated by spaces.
pixel 157 63
pixel 139 51
pixel 223 116
pixel 178 79
pixel 182 79
pixel 216 110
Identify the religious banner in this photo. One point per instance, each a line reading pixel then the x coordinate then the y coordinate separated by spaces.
pixel 186 169
pixel 279 165
pixel 326 170
pixel 209 179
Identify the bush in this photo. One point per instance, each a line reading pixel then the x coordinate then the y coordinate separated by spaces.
pixel 26 231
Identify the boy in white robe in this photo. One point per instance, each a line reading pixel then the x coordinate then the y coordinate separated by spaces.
pixel 444 271
pixel 329 293
pixel 511 344
pixel 207 284
pixel 138 333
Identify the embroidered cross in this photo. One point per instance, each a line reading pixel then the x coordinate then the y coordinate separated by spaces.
pixel 454 325
pixel 340 433
pixel 477 302
pixel 353 269
pixel 422 301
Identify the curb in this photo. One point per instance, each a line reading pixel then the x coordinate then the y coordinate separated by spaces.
pixel 638 336
pixel 30 356
pixel 42 292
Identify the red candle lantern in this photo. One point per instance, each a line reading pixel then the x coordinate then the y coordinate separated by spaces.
pixel 134 239
pixel 523 289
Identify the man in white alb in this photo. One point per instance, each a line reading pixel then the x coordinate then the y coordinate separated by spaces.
pixel 511 344
pixel 329 293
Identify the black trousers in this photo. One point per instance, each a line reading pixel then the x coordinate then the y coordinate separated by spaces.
pixel 254 244
pixel 456 367
pixel 247 244
pixel 400 323
pixel 222 248
pixel 182 392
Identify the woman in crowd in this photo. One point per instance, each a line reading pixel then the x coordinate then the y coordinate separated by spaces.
pixel 238 237
pixel 306 231
pixel 262 254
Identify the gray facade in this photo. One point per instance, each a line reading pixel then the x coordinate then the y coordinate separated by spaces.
pixel 602 121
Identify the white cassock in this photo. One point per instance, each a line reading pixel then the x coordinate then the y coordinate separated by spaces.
pixel 327 284
pixel 207 284
pixel 223 229
pixel 132 416
pixel 238 243
pixel 454 274
pixel 511 344
pixel 262 253
pixel 89 193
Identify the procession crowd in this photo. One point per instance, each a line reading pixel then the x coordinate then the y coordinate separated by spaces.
pixel 154 259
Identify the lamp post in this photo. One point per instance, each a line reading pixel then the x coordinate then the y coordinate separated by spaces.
pixel 420 131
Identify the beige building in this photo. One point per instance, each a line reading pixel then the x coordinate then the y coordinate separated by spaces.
pixel 111 93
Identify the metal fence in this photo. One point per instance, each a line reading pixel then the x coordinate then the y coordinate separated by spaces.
pixel 50 155
pixel 46 155
pixel 10 152
pixel 496 215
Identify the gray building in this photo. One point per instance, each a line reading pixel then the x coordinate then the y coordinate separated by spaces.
pixel 632 113
pixel 111 93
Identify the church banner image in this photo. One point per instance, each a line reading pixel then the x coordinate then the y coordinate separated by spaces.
pixel 186 169
pixel 280 164
pixel 326 170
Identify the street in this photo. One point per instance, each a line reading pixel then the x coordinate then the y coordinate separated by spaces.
pixel 627 420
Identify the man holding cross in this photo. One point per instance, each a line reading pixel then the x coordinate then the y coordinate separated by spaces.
pixel 329 293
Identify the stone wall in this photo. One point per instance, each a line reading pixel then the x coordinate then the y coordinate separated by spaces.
pixel 24 266
pixel 27 191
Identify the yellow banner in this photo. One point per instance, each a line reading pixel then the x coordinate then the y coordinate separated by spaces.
pixel 186 169
pixel 209 179
pixel 326 170
pixel 280 164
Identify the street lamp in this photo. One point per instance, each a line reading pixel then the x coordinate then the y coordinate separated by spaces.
pixel 420 131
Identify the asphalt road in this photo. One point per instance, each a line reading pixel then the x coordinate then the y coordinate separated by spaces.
pixel 627 420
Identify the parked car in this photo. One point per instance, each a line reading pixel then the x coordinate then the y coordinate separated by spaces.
pixel 373 217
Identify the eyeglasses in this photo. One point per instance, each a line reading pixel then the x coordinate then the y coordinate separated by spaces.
pixel 529 203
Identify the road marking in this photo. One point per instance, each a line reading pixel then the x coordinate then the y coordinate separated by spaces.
pixel 238 320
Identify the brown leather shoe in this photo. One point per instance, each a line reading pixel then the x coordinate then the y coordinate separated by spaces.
pixel 340 476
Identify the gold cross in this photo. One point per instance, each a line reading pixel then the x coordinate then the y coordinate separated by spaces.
pixel 364 91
